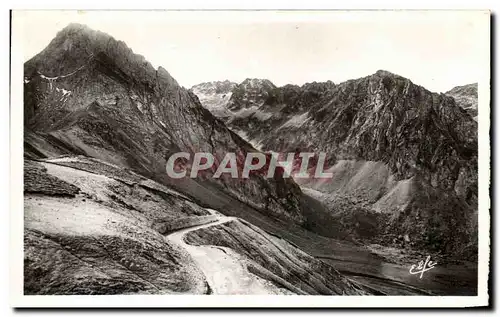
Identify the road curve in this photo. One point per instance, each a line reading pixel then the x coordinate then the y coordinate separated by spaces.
pixel 225 270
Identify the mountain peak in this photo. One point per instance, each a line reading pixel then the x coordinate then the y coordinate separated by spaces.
pixel 257 83
pixel 385 74
pixel 214 87
pixel 466 96
pixel 74 26
pixel 78 35
pixel 77 44
pixel 470 89
pixel 382 72
pixel 321 85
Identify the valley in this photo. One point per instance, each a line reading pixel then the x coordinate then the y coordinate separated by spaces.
pixel 102 216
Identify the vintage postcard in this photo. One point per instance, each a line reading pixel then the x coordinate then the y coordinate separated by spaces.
pixel 269 158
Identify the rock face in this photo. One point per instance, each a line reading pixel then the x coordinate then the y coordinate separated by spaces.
pixel 466 97
pixel 252 92
pixel 101 122
pixel 89 94
pixel 214 96
pixel 393 147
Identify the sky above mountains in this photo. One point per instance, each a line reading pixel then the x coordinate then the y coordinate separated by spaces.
pixel 438 50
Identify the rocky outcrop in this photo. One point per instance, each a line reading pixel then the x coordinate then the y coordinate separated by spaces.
pixel 466 97
pixel 89 94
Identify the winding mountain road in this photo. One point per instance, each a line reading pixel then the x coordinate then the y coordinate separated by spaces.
pixel 225 270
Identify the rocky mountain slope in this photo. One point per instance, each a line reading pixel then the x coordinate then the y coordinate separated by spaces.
pixel 102 217
pixel 87 93
pixel 94 228
pixel 100 211
pixel 466 97
pixel 393 147
pixel 96 238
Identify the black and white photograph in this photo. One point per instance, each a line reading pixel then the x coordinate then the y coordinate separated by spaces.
pixel 322 155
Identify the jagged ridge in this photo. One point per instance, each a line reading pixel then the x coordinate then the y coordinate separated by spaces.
pixel 393 145
pixel 87 93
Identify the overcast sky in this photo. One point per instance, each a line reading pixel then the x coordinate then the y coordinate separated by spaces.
pixel 437 50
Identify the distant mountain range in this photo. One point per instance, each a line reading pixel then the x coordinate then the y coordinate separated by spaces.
pixel 394 147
